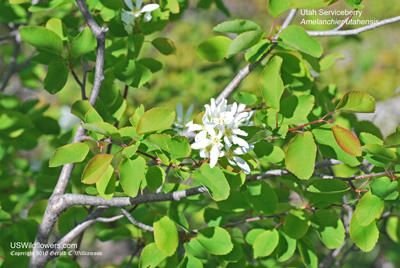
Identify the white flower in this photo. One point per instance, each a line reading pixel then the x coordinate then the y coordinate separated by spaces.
pixel 128 17
pixel 219 134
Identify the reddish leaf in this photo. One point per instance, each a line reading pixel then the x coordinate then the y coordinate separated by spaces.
pixel 347 141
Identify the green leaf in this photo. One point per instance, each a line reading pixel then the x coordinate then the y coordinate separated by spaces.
pixel 111 99
pixel 214 49
pixel 330 148
pixel 215 240
pixel 13 124
pixel 310 3
pixel 152 64
pixel 190 262
pixel 347 141
pixel 134 119
pixel 214 180
pixel 69 218
pixel 307 252
pixel 196 249
pixel 393 140
pixel 131 173
pixel 329 60
pixel 155 177
pixel 131 150
pixel 214 217
pixel 70 153
pixel 57 76
pixel 155 119
pixel 393 228
pixel 257 51
pixel 355 3
pixel 151 256
pixel 262 197
pixel 252 235
pixel 296 37
pixel 368 209
pixel 171 5
pixel 234 256
pixel 329 228
pixel 83 43
pixel 377 155
pixel 100 127
pixel 383 186
pixel 286 247
pixel 178 217
pixel 57 26
pixel 96 168
pixel 164 45
pixel 326 187
pixel 106 184
pixel 173 147
pixel 236 26
pixel 295 109
pixel 300 156
pixel 245 98
pixel 271 83
pixel 365 237
pixel 278 7
pixel 132 73
pixel 18 2
pixel 244 41
pixel 356 101
pixel 165 235
pixel 265 243
pixel 85 111
pixel 296 224
pixel 42 38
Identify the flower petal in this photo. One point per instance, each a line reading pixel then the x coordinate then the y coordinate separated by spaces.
pixel 240 132
pixel 147 16
pixel 239 141
pixel 243 150
pixel 201 144
pixel 139 4
pixel 214 154
pixel 129 4
pixel 242 164
pixel 210 129
pixel 179 112
pixel 195 127
pixel 189 112
pixel 149 8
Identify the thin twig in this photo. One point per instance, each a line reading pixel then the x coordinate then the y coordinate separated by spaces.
pixel 135 222
pixel 354 31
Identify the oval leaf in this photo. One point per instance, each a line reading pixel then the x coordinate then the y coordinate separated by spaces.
pixel 265 243
pixel 215 240
pixel 214 49
pixel 368 209
pixel 165 235
pixel 151 256
pixel 164 45
pixel 236 26
pixel 300 156
pixel 214 180
pixel 329 228
pixel 106 184
pixel 296 224
pixel 347 141
pixel 277 7
pixel 356 101
pixel 286 247
pixel 70 153
pixel 154 120
pixel 57 76
pixel 244 41
pixel 297 37
pixel 262 197
pixel 365 237
pixel 131 173
pixel 271 84
pixel 42 38
pixel 96 168
pixel 83 43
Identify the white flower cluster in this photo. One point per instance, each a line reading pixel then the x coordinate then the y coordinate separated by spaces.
pixel 219 134
pixel 128 17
